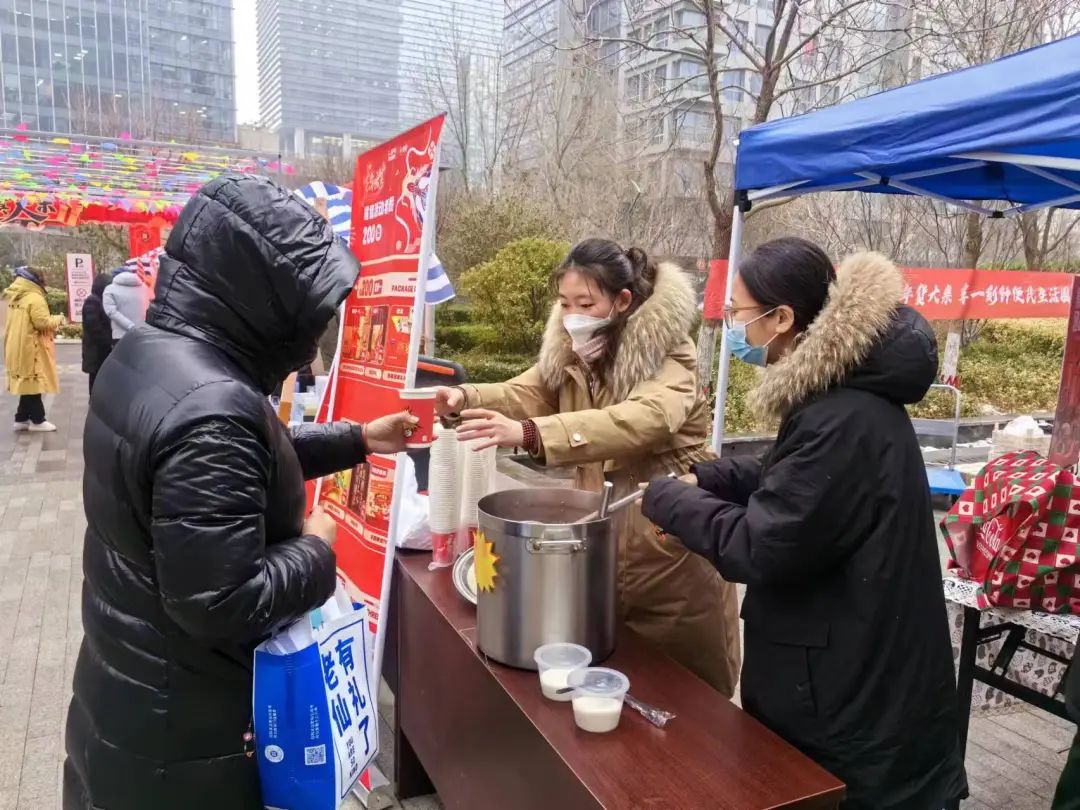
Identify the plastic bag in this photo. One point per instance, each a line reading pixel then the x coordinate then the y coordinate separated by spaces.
pixel 413 529
pixel 316 730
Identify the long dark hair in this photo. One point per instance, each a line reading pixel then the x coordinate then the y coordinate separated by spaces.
pixel 789 271
pixel 612 269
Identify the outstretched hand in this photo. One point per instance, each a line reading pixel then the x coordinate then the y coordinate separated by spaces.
pixel 494 429
pixel 448 400
pixel 388 434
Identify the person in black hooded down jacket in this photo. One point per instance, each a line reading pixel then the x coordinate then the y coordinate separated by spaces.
pixel 1067 795
pixel 97 330
pixel 196 546
pixel 847 650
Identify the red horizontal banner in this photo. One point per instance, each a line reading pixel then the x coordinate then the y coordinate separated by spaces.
pixel 949 294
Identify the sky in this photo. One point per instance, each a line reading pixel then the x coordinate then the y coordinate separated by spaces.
pixel 247 74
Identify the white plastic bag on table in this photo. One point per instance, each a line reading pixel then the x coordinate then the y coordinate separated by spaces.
pixel 316 729
pixel 413 527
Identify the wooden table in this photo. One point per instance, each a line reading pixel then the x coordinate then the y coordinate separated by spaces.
pixel 483 737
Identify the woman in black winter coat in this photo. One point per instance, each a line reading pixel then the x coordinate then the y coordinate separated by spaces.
pixel 196 545
pixel 847 650
pixel 1067 795
pixel 97 330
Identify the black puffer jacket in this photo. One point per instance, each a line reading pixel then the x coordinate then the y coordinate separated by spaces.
pixel 1072 687
pixel 97 328
pixel 195 504
pixel 847 650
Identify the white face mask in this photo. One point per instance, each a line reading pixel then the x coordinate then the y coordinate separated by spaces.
pixel 582 328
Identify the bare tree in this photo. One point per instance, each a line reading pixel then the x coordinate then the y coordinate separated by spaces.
pixel 749 61
pixel 466 85
pixel 1043 235
pixel 329 167
pixel 963 33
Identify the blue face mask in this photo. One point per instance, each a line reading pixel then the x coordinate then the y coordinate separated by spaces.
pixel 740 347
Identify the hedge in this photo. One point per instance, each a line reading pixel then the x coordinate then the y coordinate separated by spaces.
pixel 57 301
pixel 466 337
pixel 483 367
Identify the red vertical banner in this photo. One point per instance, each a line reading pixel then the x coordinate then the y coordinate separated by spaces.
pixel 393 197
pixel 1065 441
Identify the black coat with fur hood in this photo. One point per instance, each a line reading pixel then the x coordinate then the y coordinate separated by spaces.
pixel 847 652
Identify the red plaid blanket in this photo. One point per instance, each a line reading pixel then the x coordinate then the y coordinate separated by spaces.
pixel 1015 532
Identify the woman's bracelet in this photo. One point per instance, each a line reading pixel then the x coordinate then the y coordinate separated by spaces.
pixel 529 436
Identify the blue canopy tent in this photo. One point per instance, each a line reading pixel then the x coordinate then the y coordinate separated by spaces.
pixel 1007 131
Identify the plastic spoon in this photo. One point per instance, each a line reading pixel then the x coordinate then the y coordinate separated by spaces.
pixel 658 717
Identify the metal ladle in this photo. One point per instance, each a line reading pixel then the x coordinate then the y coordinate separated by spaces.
pixel 608 509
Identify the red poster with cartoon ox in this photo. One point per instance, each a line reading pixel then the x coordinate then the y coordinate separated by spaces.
pixel 391 206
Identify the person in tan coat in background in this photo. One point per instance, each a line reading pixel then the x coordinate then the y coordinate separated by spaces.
pixel 615 394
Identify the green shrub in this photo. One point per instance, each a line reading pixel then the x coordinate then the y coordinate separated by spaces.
pixel 7 275
pixel 57 300
pixel 737 416
pixel 466 337
pixel 447 315
pixel 512 292
pixel 483 367
pixel 70 330
pixel 1013 367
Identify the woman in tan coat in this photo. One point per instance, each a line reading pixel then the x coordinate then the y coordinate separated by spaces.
pixel 615 394
pixel 30 350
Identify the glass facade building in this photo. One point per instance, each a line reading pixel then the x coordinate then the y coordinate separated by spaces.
pixel 338 75
pixel 328 69
pixel 153 68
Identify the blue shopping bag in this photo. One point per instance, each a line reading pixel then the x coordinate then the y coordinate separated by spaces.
pixel 316 729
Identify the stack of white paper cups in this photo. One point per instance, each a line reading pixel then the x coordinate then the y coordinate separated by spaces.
pixel 444 495
pixel 477 475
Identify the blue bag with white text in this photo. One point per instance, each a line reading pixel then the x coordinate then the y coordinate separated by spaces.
pixel 316 729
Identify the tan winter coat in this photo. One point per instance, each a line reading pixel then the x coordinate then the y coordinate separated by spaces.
pixel 650 420
pixel 29 340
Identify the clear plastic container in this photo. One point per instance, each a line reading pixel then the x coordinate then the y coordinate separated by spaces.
pixel 555 663
pixel 598 698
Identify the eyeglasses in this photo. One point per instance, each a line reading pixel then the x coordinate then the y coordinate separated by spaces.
pixel 731 312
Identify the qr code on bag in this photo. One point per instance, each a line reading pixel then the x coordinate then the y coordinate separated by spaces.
pixel 315 755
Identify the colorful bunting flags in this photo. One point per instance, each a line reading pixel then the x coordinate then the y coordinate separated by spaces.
pixel 109 180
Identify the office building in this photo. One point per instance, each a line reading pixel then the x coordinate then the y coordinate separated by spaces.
pixel 336 76
pixel 153 68
pixel 651 54
pixel 328 72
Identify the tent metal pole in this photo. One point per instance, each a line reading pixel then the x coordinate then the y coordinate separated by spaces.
pixel 1018 159
pixel 797 190
pixel 1051 176
pixel 734 250
pixel 922 192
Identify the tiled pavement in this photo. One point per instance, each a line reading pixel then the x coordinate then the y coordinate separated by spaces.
pixel 1013 759
pixel 41 532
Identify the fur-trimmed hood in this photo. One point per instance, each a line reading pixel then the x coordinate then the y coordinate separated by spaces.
pixel 658 326
pixel 863 338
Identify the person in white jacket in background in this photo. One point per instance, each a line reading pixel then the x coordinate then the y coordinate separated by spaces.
pixel 126 301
